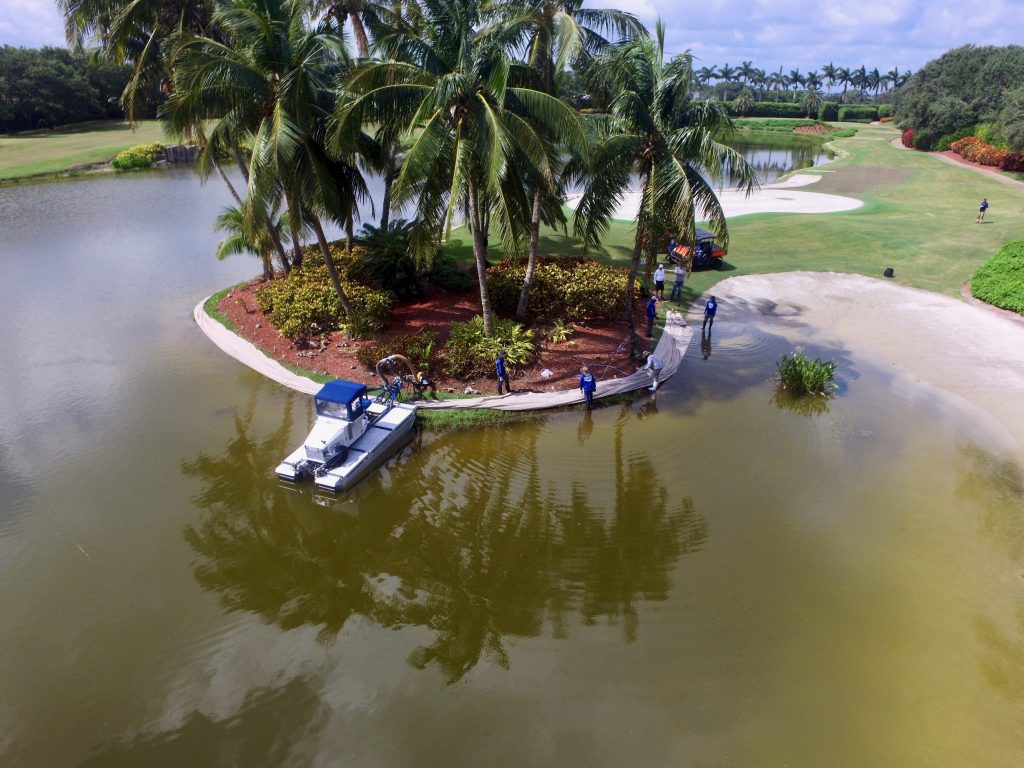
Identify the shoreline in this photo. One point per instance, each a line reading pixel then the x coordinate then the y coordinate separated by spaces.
pixel 671 347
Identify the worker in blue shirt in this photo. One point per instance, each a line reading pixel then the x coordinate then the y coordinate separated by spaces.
pixel 652 314
pixel 588 385
pixel 709 313
pixel 502 371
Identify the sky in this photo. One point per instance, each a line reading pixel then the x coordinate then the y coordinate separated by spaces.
pixel 794 34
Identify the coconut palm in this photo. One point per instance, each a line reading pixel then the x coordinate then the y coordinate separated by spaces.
pixel 135 32
pixel 778 81
pixel 248 233
pixel 554 34
pixel 657 136
pixel 727 74
pixel 812 81
pixel 705 75
pixel 746 72
pixel 273 78
pixel 480 128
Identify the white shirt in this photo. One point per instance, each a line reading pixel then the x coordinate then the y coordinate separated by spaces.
pixel 654 362
pixel 659 275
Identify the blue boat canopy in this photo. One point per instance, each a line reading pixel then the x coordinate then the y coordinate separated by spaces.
pixel 340 391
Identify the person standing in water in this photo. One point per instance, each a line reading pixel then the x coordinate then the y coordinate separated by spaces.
pixel 710 309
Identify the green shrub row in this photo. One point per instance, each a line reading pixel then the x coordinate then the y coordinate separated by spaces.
pixel 570 289
pixel 1000 280
pixel 304 304
pixel 139 156
pixel 468 353
pixel 858 113
pixel 828 110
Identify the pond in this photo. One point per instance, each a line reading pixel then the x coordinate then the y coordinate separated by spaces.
pixel 713 576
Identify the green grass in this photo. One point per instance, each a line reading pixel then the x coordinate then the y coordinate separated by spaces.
pixel 918 218
pixel 38 153
pixel 1000 280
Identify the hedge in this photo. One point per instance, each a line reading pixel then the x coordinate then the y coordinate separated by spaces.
pixel 768 109
pixel 139 156
pixel 856 113
pixel 829 110
pixel 975 150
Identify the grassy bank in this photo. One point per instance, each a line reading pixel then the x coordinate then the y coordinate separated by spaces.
pixel 42 153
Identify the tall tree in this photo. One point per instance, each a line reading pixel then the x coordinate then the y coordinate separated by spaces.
pixel 657 136
pixel 273 77
pixel 479 137
pixel 828 72
pixel 555 34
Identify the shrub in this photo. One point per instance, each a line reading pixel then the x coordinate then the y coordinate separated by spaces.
pixel 922 141
pixel 884 111
pixel 469 353
pixel 977 151
pixel 445 273
pixel 305 304
pixel 139 156
pixel 908 138
pixel 801 375
pixel 944 142
pixel 418 347
pixel 828 110
pixel 766 109
pixel 385 261
pixel 885 119
pixel 988 133
pixel 1014 162
pixel 1000 280
pixel 571 289
pixel 858 113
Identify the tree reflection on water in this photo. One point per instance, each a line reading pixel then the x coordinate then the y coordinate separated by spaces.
pixel 476 542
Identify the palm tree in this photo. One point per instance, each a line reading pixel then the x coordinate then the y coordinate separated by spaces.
pixel 247 233
pixel 656 135
pixel 760 81
pixel 743 104
pixel 811 102
pixel 829 73
pixel 812 81
pixel 480 130
pixel 843 78
pixel 555 34
pixel 728 74
pixel 274 78
pixel 778 81
pixel 746 72
pixel 705 75
pixel 795 80
pixel 874 81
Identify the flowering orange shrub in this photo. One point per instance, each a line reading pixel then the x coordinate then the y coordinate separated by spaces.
pixel 885 119
pixel 977 151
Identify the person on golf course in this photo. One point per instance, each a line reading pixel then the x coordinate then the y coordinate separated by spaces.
pixel 709 313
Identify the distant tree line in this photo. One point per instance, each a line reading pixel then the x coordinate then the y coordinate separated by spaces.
pixel 858 84
pixel 49 87
pixel 966 91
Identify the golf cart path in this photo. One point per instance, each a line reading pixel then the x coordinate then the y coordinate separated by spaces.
pixel 671 348
pixel 779 197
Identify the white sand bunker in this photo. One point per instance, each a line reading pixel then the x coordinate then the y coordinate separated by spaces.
pixel 771 198
pixel 965 352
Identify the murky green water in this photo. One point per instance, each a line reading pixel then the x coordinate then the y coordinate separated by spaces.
pixel 711 578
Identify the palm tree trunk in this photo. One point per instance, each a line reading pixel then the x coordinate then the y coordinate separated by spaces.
pixel 531 260
pixel 332 270
pixel 296 231
pixel 389 179
pixel 480 254
pixel 230 186
pixel 362 44
pixel 349 234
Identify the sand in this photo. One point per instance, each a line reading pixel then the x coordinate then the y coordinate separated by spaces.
pixel 969 354
pixel 780 197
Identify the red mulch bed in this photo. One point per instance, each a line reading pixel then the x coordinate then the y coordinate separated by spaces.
pixel 593 344
pixel 817 129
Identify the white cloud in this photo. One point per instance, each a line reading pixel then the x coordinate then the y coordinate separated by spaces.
pixel 30 23
pixel 793 34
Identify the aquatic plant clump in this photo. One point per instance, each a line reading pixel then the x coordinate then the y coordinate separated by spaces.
pixel 801 375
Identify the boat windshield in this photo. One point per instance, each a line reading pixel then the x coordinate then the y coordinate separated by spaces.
pixel 329 408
